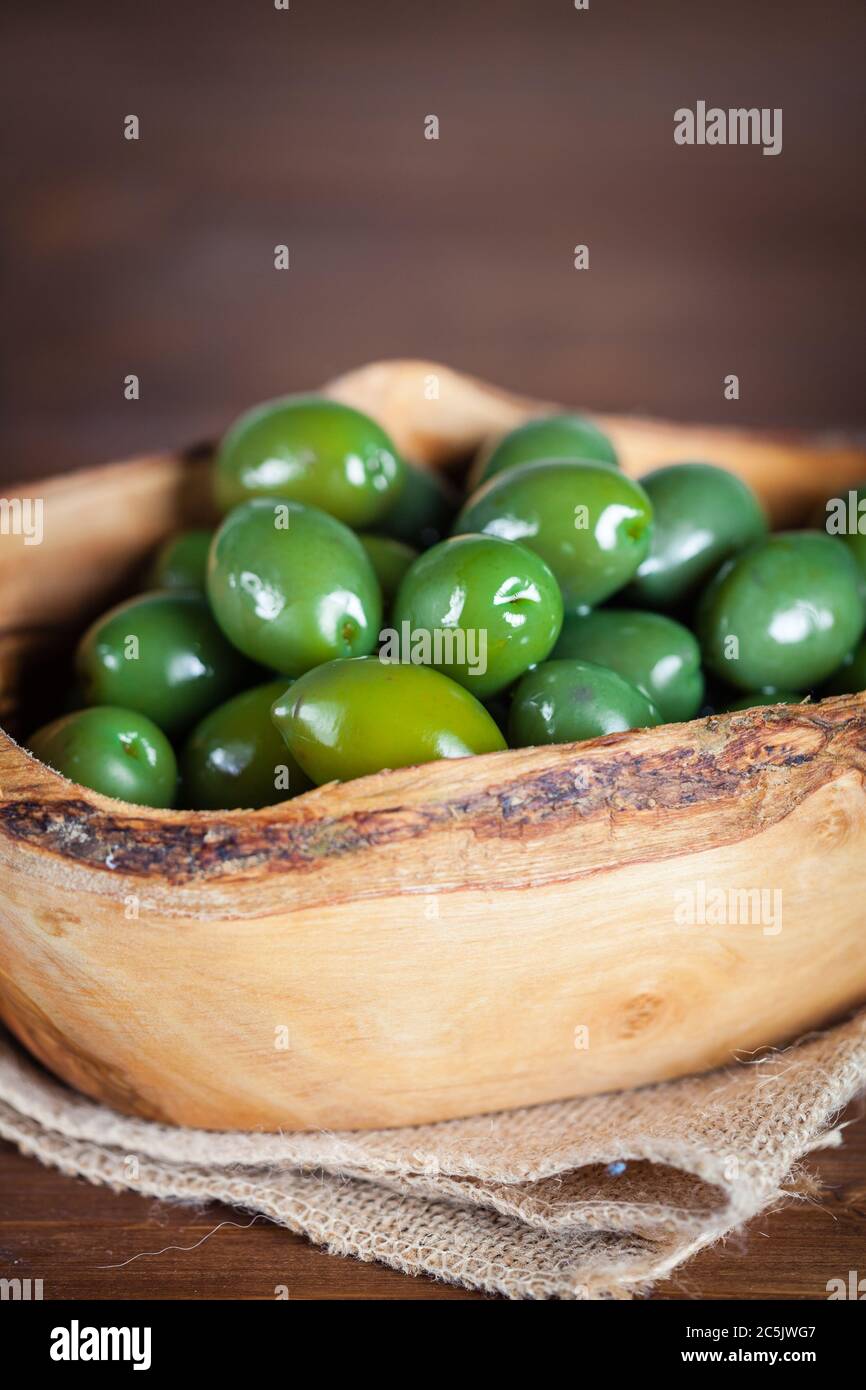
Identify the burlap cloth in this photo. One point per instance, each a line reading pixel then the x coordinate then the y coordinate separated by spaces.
pixel 594 1198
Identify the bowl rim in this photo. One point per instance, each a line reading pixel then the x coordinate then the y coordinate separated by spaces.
pixel 666 770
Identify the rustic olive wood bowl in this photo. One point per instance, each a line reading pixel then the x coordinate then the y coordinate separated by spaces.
pixel 434 941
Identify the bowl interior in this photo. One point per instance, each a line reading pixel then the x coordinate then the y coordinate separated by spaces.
pixel 100 529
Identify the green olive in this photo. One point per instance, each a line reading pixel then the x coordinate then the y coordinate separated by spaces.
pixel 783 614
pixel 163 655
pixel 489 609
pixel 423 511
pixel 650 651
pixel 589 522
pixel 181 562
pixel 569 701
pixel 236 758
pixel 312 450
pixel 351 718
pixel 292 587
pixel 390 559
pixel 118 752
pixel 552 437
pixel 701 515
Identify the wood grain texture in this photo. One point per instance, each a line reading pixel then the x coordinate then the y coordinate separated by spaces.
pixel 430 938
pixel 65 1232
pixel 430 952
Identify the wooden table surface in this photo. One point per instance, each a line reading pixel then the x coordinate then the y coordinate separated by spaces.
pixel 305 127
pixel 64 1231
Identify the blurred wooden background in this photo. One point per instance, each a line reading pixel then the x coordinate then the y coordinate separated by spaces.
pixel 306 127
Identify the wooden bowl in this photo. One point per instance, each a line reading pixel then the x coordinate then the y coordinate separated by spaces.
pixel 434 941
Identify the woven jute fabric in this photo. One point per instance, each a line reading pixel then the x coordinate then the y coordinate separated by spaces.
pixel 593 1198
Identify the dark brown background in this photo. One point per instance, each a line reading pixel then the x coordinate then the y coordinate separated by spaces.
pixel 306 127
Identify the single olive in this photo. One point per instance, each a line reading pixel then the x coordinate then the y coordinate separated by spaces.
pixel 569 701
pixel 480 609
pixel 701 515
pixel 390 559
pixel 850 677
pixel 118 752
pixel 181 562
pixel 311 450
pixel 766 697
pixel 236 758
pixel 351 718
pixel 650 651
pixel 163 655
pixel 783 614
pixel 292 587
pixel 552 437
pixel 590 523
pixel 423 511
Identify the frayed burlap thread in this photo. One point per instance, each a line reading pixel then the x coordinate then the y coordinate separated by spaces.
pixel 593 1198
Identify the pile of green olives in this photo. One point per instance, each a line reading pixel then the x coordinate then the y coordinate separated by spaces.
pixel 352 613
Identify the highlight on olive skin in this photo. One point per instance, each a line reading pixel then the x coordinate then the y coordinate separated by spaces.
pixel 590 523
pixel 292 587
pixel 162 654
pixel 482 584
pixel 568 701
pixel 118 752
pixel 352 613
pixel 235 758
pixel 350 718
pixel 701 516
pixel 315 451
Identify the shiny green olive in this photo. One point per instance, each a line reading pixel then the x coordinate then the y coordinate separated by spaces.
pixel 390 559
pixel 423 511
pixel 181 562
pixel 784 614
pixel 163 655
pixel 118 752
pixel 650 651
pixel 553 437
pixel 701 515
pixel 311 450
pixel 569 701
pixel 292 587
pixel 490 609
pixel 850 678
pixel 766 697
pixel 589 522
pixel 236 758
pixel 352 718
